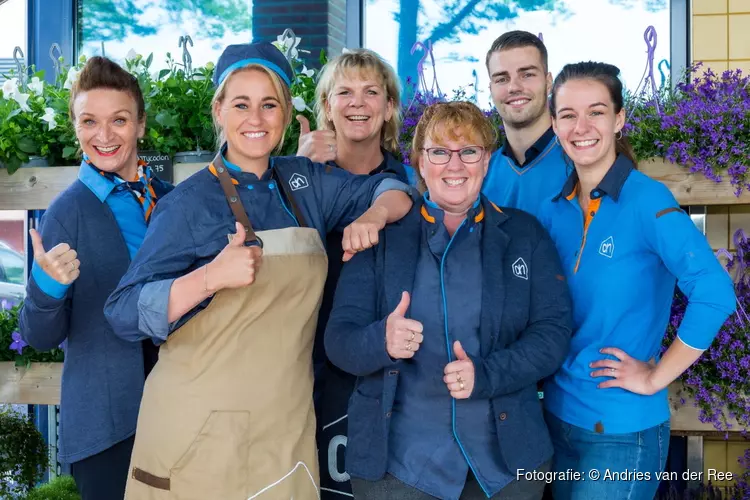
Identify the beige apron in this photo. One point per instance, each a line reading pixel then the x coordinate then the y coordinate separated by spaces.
pixel 227 412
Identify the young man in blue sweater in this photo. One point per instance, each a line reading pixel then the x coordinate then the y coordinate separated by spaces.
pixel 529 167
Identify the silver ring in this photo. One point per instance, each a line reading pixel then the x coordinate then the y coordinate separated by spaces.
pixel 612 370
pixel 461 385
pixel 412 336
pixel 408 345
pixel 330 148
pixel 72 266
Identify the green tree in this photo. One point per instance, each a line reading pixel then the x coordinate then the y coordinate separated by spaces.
pixel 114 20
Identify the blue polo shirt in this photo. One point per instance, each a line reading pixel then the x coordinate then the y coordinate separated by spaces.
pixel 128 214
pixel 622 259
pixel 527 185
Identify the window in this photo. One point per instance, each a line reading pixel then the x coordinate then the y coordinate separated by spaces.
pixel 13 28
pixel 12 260
pixel 574 30
pixel 145 26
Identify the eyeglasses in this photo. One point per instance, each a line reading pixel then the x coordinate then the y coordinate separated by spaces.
pixel 441 156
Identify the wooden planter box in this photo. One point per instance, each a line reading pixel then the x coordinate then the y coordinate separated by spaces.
pixel 685 420
pixel 39 384
pixel 34 188
pixel 692 189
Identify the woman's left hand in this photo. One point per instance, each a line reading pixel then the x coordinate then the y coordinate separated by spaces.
pixel 459 374
pixel 627 372
pixel 363 232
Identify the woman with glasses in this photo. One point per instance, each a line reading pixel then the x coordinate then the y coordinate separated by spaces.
pixel 448 324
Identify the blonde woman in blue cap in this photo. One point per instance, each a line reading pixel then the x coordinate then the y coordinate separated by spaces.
pixel 229 281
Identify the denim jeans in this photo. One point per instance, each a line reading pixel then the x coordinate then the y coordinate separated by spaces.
pixel 627 465
pixel 390 488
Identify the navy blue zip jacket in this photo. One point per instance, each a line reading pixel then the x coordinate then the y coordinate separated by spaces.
pixel 524 334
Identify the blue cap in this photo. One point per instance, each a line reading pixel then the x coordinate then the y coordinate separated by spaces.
pixel 262 53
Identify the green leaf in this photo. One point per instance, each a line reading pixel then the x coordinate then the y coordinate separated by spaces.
pixel 27 145
pixel 166 119
pixel 149 60
pixel 163 73
pixel 69 152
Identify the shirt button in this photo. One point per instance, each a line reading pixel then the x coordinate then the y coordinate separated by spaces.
pixel 595 194
pixel 592 213
pixel 503 416
pixel 388 415
pixel 233 199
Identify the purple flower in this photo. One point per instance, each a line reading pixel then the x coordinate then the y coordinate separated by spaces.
pixel 18 343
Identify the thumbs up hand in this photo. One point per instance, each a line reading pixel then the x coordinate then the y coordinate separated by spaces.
pixel 319 145
pixel 402 336
pixel 60 263
pixel 236 265
pixel 459 374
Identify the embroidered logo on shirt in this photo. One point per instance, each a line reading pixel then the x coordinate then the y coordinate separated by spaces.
pixel 607 248
pixel 520 269
pixel 298 181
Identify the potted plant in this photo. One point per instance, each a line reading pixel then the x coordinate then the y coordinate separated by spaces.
pixel 34 125
pixel 178 108
pixel 699 130
pixel 26 376
pixel 23 454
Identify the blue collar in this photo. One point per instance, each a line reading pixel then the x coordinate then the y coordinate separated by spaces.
pixel 96 182
pixel 534 150
pixel 611 184
pixel 432 213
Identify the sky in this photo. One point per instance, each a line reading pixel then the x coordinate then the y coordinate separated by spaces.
pixel 596 30
pixel 12 27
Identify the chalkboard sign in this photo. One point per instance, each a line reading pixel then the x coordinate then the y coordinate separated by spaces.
pixel 161 164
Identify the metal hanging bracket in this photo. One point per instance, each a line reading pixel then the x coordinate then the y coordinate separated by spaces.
pixel 187 59
pixel 56 59
pixel 20 59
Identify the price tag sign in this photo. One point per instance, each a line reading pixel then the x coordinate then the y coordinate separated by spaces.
pixel 161 164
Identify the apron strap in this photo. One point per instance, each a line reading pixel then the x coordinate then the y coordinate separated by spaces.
pixel 233 198
pixel 288 195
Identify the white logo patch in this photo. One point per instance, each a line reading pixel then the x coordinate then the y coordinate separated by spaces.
pixel 520 269
pixel 298 181
pixel 607 248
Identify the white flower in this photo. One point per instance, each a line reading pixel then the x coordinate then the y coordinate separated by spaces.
pixel 288 45
pixel 49 117
pixel 307 72
pixel 72 77
pixel 36 85
pixel 21 100
pixel 299 103
pixel 10 88
pixel 131 55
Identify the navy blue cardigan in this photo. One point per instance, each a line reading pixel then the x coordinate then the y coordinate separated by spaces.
pixel 524 335
pixel 103 375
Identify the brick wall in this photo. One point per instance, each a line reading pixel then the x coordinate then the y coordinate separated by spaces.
pixel 320 23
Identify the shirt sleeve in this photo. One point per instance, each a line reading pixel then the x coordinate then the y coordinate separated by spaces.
pixel 672 235
pixel 137 309
pixel 344 196
pixel 45 315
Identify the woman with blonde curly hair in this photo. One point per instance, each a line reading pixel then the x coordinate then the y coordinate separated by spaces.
pixel 358 114
pixel 448 325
